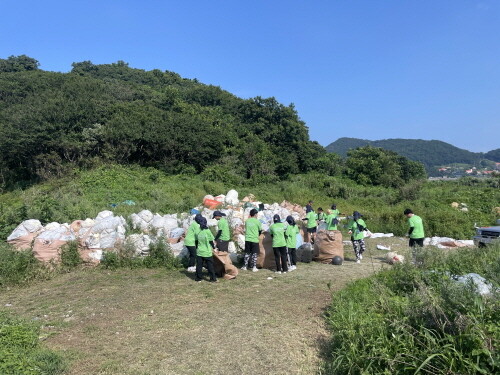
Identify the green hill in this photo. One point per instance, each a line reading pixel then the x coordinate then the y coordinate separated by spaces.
pixel 493 155
pixel 430 153
pixel 53 122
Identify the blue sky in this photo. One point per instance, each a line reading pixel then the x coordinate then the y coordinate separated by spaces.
pixel 371 69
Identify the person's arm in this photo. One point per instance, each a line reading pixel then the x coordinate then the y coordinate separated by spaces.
pixel 411 230
pixel 219 233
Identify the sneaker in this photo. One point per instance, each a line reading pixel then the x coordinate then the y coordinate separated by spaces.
pixel 358 261
pixel 244 268
pixel 283 272
pixel 254 269
pixel 191 269
pixel 360 256
pixel 277 272
pixel 198 281
pixel 292 268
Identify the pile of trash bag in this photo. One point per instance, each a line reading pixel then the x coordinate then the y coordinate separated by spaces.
pixel 107 232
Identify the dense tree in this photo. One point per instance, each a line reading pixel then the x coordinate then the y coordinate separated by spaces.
pixel 375 166
pixel 18 64
pixel 53 122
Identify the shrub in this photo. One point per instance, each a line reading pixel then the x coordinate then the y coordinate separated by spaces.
pixel 17 267
pixel 70 256
pixel 410 320
pixel 160 255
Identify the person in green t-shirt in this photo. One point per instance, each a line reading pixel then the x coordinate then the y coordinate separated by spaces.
pixel 277 231
pixel 253 229
pixel 204 251
pixel 321 215
pixel 334 210
pixel 291 242
pixel 331 221
pixel 415 231
pixel 356 228
pixel 190 242
pixel 222 237
pixel 312 224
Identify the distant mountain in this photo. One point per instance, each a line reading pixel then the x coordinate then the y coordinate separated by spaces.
pixel 493 155
pixel 430 153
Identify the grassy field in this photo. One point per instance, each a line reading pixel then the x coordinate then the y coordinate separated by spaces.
pixel 153 321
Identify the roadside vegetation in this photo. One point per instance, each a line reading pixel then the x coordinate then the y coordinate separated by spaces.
pixel 418 320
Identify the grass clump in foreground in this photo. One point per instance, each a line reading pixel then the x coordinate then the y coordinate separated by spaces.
pixel 20 351
pixel 416 320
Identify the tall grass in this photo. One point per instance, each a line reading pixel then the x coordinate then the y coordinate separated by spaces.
pixel 417 320
pixel 86 193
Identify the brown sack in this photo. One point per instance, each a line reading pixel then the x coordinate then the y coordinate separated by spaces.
pixel 328 243
pixel 48 250
pixel 265 259
pixel 24 242
pixel 223 265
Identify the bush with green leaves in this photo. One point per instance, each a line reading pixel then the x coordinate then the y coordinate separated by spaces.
pixel 417 320
pixel 21 352
pixel 70 256
pixel 19 267
pixel 160 256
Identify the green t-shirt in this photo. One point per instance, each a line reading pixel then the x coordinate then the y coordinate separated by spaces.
pixel 223 225
pixel 204 248
pixel 418 227
pixel 252 228
pixel 321 216
pixel 311 219
pixel 291 236
pixel 336 212
pixel 192 231
pixel 356 233
pixel 278 232
pixel 329 223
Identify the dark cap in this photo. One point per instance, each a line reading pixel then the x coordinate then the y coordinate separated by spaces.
pixel 217 213
pixel 408 211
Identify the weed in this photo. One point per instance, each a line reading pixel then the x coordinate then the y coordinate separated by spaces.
pixel 410 319
pixel 70 256
pixel 20 352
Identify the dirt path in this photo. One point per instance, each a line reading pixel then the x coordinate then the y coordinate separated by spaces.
pixel 159 322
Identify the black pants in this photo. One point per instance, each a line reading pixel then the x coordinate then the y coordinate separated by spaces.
pixel 209 262
pixel 292 256
pixel 222 245
pixel 416 242
pixel 192 255
pixel 280 257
